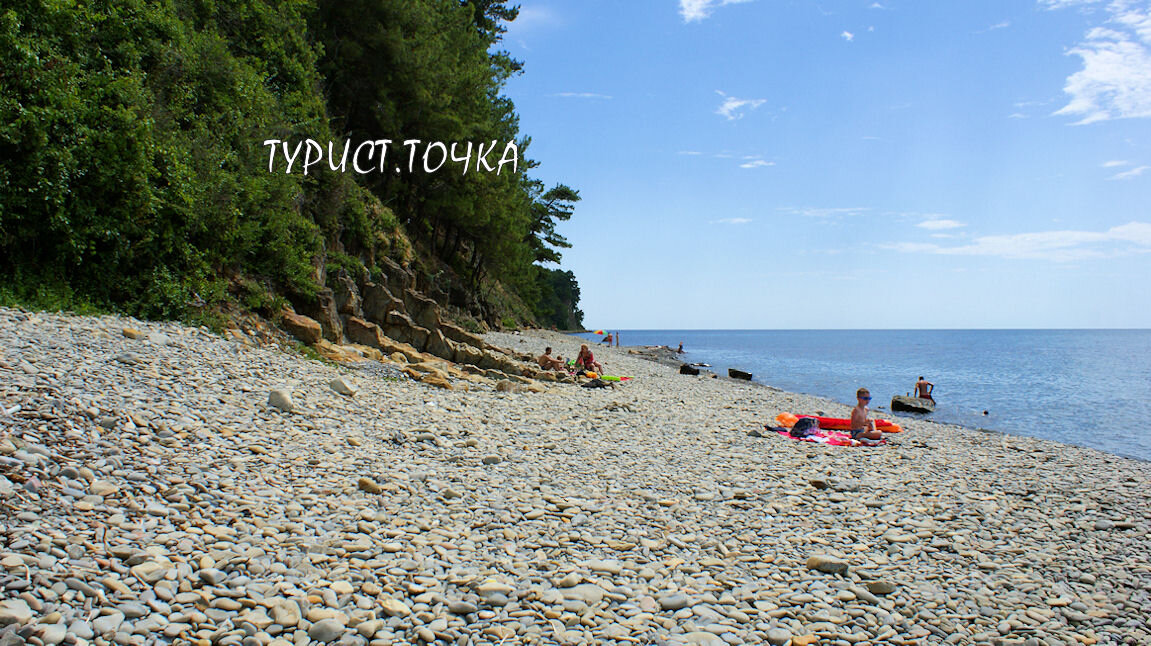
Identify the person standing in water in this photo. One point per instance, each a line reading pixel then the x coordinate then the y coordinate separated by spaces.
pixel 923 389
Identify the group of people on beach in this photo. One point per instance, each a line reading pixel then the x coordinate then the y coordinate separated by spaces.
pixel 584 361
pixel 862 426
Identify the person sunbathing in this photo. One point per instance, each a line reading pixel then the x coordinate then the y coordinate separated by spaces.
pixel 585 360
pixel 548 362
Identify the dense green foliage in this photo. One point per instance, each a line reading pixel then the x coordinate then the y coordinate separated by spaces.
pixel 558 304
pixel 133 174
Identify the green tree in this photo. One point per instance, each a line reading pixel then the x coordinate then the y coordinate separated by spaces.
pixel 554 206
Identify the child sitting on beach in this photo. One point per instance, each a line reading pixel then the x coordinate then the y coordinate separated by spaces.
pixel 861 426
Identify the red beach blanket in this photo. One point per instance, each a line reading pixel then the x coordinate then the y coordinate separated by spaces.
pixel 825 436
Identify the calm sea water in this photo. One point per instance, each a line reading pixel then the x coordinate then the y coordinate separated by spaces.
pixel 1086 387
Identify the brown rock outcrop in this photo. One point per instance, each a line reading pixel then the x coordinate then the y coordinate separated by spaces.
pixel 365 333
pixel 347 297
pixel 304 328
pixel 378 301
pixel 323 310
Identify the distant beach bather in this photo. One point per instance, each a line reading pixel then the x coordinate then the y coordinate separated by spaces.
pixel 548 362
pixel 924 388
pixel 680 348
pixel 861 426
pixel 607 340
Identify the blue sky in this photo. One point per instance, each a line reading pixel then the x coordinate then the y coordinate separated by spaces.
pixel 847 164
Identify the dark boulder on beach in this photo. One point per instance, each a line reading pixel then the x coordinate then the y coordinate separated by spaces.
pixel 738 374
pixel 902 404
pixel 686 369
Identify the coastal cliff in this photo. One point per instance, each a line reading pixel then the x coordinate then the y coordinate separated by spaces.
pixel 136 174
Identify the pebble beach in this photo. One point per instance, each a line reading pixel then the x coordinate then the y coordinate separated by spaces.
pixel 169 485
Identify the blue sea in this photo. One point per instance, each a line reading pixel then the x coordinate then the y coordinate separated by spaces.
pixel 1086 387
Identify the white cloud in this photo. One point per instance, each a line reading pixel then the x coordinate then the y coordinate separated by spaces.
pixel 689 152
pixel 1058 246
pixel 1063 4
pixel 697 10
pixel 1130 174
pixel 757 163
pixel 582 95
pixel 999 25
pixel 939 225
pixel 847 35
pixel 814 212
pixel 1017 115
pixel 732 221
pixel 531 18
pixel 876 5
pixel 1115 81
pixel 733 108
pixel 1115 163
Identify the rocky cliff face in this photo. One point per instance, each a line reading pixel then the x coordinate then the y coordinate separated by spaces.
pixel 393 319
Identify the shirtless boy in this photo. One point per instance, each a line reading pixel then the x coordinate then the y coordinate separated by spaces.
pixel 861 427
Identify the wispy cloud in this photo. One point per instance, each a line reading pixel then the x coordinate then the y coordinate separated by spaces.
pixel 732 221
pixel 1063 4
pixel 697 10
pixel 997 26
pixel 818 212
pixel 1017 115
pixel 876 5
pixel 1114 163
pixel 689 152
pixel 940 225
pixel 582 95
pixel 533 19
pixel 734 108
pixel 847 35
pixel 1131 174
pixel 1058 246
pixel 533 16
pixel 1115 81
pixel 756 163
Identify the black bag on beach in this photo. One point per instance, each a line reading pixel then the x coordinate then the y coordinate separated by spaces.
pixel 804 426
